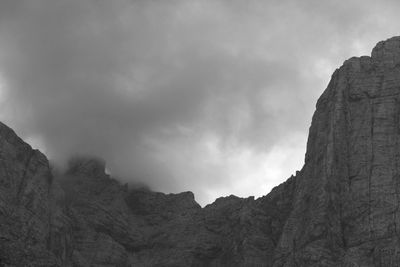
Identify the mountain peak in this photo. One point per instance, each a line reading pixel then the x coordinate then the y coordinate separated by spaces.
pixel 89 166
pixel 387 52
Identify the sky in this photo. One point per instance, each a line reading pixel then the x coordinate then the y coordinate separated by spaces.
pixel 214 97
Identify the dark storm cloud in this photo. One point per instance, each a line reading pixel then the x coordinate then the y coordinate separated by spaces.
pixel 176 94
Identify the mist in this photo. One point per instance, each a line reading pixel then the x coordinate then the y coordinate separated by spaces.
pixel 214 97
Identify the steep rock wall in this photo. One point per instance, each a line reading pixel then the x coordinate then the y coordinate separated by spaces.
pixel 346 204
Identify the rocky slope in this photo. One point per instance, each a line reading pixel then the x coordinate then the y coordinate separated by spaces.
pixel 86 218
pixel 341 209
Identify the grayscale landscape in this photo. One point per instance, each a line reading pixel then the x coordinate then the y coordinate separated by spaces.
pixel 199 133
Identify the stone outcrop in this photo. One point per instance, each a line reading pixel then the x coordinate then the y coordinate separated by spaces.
pixel 25 206
pixel 341 209
pixel 345 210
pixel 86 218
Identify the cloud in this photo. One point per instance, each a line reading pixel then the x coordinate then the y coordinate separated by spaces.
pixel 181 95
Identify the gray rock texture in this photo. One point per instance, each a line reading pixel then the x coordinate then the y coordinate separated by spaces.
pixel 341 209
pixel 345 209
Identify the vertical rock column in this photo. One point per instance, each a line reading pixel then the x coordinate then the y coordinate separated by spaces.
pixel 346 202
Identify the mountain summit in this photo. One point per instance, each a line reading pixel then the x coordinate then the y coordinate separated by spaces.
pixel 341 209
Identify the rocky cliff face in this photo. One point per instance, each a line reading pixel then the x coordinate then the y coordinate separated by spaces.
pixel 345 209
pixel 341 209
pixel 85 218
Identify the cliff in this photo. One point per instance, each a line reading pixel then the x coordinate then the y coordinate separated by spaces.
pixel 341 209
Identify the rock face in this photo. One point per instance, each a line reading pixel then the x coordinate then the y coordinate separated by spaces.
pixel 25 206
pixel 345 209
pixel 86 218
pixel 341 209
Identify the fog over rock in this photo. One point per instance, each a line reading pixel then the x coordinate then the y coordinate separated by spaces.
pixel 210 96
pixel 340 209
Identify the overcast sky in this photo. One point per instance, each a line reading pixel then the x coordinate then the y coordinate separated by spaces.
pixel 215 97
